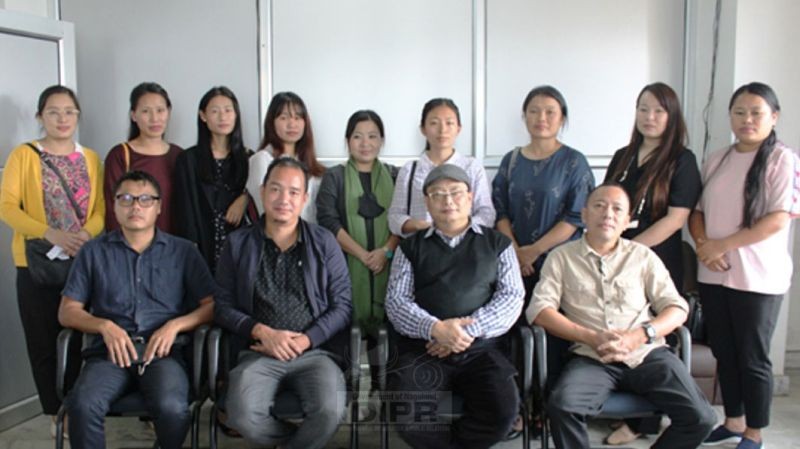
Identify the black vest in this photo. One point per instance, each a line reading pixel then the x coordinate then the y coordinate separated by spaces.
pixel 454 282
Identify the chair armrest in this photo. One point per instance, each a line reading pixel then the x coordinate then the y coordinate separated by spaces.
pixel 684 346
pixel 198 351
pixel 525 336
pixel 62 349
pixel 540 357
pixel 355 360
pixel 383 356
pixel 212 350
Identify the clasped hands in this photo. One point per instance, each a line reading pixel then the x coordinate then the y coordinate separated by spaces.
pixel 122 351
pixel 616 345
pixel 279 344
pixel 711 253
pixel 450 337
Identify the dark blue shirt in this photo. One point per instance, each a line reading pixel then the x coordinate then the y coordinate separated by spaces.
pixel 534 195
pixel 139 292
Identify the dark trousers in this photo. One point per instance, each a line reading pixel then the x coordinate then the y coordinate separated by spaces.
pixel 740 326
pixel 38 311
pixel 483 378
pixel 662 378
pixel 164 386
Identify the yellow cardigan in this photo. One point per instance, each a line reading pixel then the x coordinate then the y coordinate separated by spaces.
pixel 22 202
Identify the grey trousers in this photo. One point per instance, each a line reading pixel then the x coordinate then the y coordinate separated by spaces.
pixel 257 379
pixel 662 378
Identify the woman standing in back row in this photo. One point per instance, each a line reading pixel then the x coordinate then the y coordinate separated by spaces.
pixel 51 190
pixel 144 150
pixel 540 188
pixel 287 133
pixel 741 229
pixel 440 124
pixel 661 178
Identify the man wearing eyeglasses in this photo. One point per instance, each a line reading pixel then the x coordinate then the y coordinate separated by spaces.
pixel 135 289
pixel 454 292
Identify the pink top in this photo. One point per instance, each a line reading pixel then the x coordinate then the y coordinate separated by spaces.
pixel 763 267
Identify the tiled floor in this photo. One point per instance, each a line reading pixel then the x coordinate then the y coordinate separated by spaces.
pixel 129 433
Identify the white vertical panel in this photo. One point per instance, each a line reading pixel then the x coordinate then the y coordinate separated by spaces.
pixel 390 56
pixel 599 54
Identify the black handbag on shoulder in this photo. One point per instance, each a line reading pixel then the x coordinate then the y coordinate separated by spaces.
pixel 42 269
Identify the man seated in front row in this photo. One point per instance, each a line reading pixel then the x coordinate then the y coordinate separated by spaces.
pixel 455 289
pixel 606 287
pixel 285 294
pixel 135 285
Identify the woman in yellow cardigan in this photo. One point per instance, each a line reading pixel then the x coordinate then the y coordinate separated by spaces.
pixel 34 204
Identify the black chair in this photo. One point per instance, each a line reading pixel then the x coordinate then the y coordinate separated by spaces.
pixel 620 405
pixel 451 408
pixel 132 404
pixel 287 405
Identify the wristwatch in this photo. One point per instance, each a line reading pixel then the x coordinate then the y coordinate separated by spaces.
pixel 649 332
pixel 388 251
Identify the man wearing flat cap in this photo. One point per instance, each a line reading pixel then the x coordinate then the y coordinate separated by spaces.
pixel 454 292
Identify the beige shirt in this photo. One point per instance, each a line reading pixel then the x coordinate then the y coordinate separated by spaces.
pixel 615 291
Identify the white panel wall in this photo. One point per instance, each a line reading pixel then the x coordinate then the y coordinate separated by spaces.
pixel 384 55
pixel 187 46
pixel 598 54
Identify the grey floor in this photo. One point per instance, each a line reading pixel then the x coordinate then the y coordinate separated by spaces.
pixel 128 433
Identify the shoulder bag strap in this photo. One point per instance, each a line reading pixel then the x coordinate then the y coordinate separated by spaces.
pixel 127 152
pixel 410 186
pixel 64 184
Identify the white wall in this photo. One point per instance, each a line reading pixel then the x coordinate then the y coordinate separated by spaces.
pixel 598 54
pixel 187 46
pixel 384 55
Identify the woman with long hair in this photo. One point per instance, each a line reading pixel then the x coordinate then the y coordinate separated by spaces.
pixel 51 190
pixel 287 133
pixel 210 197
pixel 741 229
pixel 146 150
pixel 661 177
pixel 353 203
pixel 440 124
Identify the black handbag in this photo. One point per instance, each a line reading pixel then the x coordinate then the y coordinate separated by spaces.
pixel 43 270
pixel 696 322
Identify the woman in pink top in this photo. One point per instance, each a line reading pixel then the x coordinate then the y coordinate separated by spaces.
pixel 741 229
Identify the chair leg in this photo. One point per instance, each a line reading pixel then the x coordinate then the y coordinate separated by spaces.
pixel 353 424
pixel 60 427
pixel 526 437
pixel 196 424
pixel 384 425
pixel 212 428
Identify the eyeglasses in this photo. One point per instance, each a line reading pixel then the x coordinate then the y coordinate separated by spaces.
pixel 441 196
pixel 55 114
pixel 127 200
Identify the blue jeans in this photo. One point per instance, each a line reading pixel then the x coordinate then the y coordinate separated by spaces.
pixel 257 379
pixel 164 386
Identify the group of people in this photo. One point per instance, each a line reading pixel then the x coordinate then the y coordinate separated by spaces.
pixel 285 254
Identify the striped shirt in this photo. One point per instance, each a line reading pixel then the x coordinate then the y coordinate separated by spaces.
pixel 399 212
pixel 491 320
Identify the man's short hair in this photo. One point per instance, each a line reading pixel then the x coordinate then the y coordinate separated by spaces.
pixel 287 161
pixel 611 184
pixel 446 171
pixel 138 176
